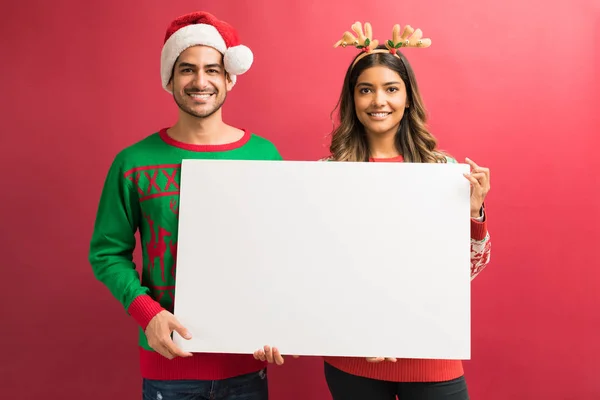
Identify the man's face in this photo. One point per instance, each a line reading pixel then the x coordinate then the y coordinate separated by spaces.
pixel 199 83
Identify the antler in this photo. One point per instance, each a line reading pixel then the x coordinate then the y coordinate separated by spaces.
pixel 409 38
pixel 364 39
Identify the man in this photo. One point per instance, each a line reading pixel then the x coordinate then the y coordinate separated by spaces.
pixel 200 61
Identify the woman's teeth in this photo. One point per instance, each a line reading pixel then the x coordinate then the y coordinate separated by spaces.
pixel 379 115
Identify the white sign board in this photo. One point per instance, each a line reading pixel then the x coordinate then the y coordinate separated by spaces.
pixel 324 258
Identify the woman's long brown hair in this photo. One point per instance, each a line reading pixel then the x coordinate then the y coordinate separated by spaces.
pixel 413 140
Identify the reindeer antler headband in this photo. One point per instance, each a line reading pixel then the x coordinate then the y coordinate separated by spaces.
pixel 409 38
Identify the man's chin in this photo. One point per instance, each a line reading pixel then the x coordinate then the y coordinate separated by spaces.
pixel 199 112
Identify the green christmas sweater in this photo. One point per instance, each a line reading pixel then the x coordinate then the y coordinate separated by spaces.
pixel 141 196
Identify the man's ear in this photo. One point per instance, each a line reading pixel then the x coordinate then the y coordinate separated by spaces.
pixel 229 82
pixel 170 84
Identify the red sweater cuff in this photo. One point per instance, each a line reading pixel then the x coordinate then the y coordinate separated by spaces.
pixel 143 309
pixel 478 229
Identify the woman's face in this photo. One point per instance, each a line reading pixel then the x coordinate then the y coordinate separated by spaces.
pixel 380 100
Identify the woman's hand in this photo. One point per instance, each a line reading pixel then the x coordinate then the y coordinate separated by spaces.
pixel 480 186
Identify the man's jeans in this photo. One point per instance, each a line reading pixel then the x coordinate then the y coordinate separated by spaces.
pixel 251 386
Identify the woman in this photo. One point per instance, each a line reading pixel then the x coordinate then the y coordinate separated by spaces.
pixel 382 119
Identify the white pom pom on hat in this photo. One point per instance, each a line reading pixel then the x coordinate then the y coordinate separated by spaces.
pixel 238 59
pixel 202 28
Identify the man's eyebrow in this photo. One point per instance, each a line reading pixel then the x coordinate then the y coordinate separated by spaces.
pixel 190 65
pixel 185 64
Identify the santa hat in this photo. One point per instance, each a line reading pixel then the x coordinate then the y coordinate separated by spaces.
pixel 202 28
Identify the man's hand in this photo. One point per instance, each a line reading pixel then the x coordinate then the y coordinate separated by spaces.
pixel 159 331
pixel 271 355
pixel 380 359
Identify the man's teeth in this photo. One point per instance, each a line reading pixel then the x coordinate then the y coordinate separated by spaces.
pixel 201 95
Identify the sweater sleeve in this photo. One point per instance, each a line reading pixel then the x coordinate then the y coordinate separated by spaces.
pixel 113 243
pixel 480 245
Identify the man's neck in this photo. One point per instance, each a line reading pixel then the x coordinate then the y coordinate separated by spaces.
pixel 203 131
pixel 382 145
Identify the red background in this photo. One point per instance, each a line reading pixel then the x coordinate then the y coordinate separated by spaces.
pixel 510 84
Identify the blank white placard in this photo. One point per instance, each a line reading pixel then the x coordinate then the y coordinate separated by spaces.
pixel 324 258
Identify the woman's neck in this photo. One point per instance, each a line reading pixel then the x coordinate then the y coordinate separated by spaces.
pixel 382 145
